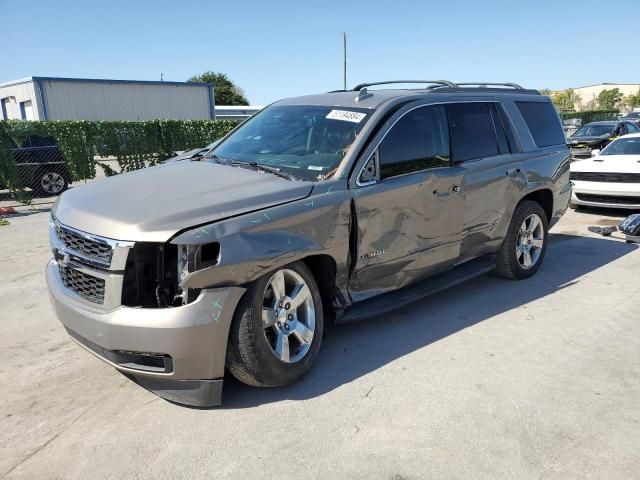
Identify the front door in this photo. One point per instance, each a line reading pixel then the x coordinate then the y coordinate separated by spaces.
pixel 409 213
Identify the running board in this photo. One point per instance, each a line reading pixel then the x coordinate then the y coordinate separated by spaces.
pixel 387 302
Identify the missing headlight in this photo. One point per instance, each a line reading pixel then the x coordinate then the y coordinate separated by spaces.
pixel 150 275
pixel 154 271
pixel 192 258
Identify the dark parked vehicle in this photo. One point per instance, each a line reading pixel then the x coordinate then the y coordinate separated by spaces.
pixel 324 208
pixel 633 117
pixel 593 137
pixel 41 166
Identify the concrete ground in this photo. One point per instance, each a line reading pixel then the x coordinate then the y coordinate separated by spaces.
pixel 493 379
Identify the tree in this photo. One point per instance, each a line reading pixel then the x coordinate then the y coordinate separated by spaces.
pixel 632 101
pixel 609 99
pixel 591 104
pixel 566 100
pixel 225 91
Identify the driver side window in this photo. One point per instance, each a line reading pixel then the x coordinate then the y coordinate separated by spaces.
pixel 418 141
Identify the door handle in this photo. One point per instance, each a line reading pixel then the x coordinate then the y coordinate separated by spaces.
pixel 512 172
pixel 453 189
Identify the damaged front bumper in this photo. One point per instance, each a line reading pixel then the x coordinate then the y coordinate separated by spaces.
pixel 177 352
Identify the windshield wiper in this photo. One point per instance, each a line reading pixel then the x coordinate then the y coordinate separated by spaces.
pixel 262 168
pixel 216 158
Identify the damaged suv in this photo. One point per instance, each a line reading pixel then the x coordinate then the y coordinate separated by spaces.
pixel 324 208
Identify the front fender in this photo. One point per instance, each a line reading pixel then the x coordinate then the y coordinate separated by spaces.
pixel 256 243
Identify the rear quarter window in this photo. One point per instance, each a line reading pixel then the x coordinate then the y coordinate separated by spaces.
pixel 542 120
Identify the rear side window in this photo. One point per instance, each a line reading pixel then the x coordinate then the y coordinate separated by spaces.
pixel 473 134
pixel 418 141
pixel 542 120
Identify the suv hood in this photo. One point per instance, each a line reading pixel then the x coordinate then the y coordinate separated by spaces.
pixel 155 203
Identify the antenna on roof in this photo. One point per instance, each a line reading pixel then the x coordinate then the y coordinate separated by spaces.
pixel 362 94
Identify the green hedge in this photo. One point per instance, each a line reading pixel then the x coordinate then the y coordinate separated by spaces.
pixel 591 115
pixel 133 144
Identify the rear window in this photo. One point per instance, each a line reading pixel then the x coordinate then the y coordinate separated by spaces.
pixel 542 120
pixel 473 134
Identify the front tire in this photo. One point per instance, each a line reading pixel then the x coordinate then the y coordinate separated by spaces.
pixel 525 245
pixel 277 328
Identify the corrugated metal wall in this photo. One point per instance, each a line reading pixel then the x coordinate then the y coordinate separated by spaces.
pixel 80 100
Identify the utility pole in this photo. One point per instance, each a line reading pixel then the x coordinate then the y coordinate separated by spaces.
pixel 344 38
pixel 161 77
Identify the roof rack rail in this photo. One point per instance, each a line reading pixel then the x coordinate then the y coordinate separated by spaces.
pixel 435 83
pixel 490 84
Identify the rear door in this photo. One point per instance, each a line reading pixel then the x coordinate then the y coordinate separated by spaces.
pixel 484 146
pixel 407 204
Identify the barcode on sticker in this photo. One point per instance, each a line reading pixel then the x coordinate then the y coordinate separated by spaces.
pixel 347 116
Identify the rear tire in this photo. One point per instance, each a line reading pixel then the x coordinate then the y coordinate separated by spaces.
pixel 272 345
pixel 525 244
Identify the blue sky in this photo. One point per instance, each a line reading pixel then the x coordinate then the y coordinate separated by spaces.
pixel 275 49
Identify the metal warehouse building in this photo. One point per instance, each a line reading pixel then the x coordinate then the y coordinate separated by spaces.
pixel 49 98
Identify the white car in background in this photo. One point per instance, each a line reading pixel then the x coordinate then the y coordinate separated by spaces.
pixel 611 178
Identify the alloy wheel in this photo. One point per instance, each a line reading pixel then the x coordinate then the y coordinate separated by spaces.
pixel 288 316
pixel 530 241
pixel 52 182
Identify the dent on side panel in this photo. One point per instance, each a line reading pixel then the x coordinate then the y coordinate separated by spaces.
pixel 491 194
pixel 256 243
pixel 408 228
pixel 549 169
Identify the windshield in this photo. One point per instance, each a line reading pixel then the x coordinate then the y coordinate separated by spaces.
pixel 308 142
pixel 594 131
pixel 623 146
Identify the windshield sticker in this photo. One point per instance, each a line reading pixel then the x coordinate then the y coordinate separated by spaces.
pixel 345 115
pixel 314 167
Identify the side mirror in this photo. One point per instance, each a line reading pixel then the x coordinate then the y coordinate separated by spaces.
pixel 595 152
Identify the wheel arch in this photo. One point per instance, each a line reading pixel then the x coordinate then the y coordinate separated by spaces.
pixel 544 197
pixel 324 269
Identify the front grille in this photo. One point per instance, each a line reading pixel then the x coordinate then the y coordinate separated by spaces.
pixel 91 248
pixel 619 200
pixel 87 286
pixel 606 177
